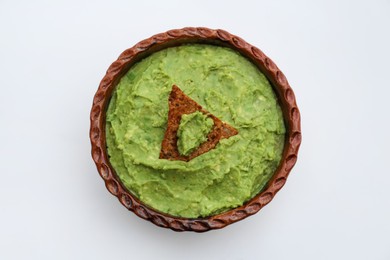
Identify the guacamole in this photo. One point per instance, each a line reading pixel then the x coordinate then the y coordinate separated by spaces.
pixel 228 86
pixel 193 130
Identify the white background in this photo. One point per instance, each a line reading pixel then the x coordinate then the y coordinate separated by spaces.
pixel 336 202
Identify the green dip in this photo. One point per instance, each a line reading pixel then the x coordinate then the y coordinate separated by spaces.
pixel 192 132
pixel 228 86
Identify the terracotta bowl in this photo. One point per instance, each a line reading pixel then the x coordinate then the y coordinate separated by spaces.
pixel 174 38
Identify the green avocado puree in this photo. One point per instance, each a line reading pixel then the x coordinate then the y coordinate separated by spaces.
pixel 192 132
pixel 228 86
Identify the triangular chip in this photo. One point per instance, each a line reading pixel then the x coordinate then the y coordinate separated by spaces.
pixel 179 104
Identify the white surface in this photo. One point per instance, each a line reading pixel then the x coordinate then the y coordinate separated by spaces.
pixel 336 202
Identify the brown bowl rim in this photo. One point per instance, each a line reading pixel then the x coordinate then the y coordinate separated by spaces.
pixel 176 37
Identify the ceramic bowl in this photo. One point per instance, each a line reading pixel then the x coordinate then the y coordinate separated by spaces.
pixel 177 37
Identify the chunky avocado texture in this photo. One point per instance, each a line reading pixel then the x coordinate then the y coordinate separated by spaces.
pixel 223 82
